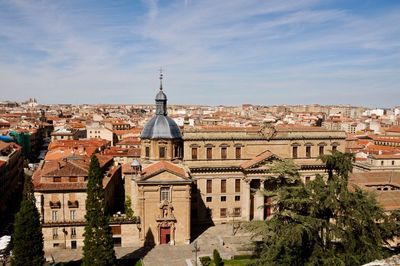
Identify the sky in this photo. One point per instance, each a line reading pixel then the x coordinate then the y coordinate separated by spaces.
pixel 225 52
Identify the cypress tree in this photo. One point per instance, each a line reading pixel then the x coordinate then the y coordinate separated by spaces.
pixel 28 237
pixel 98 243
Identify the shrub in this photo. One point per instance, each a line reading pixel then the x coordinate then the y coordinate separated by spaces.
pixel 205 261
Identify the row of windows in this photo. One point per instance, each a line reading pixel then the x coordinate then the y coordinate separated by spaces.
pixel 321 151
pixel 223 185
pixel 383 162
pixel 235 213
pixel 72 232
pixel 223 198
pixel 57 179
pixel 162 152
pixel 224 153
pixel 55 216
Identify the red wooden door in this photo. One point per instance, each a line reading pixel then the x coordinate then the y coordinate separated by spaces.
pixel 165 235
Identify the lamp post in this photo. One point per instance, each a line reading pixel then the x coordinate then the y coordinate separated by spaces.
pixel 232 214
pixel 195 249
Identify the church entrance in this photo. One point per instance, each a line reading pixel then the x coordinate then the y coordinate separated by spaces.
pixel 165 235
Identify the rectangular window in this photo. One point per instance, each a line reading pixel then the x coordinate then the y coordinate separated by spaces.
pixel 223 186
pixel 238 153
pixel 334 148
pixel 73 244
pixel 54 215
pixel 209 186
pixel 308 152
pixel 222 212
pixel 321 150
pixel 237 185
pixel 117 241
pixel 294 152
pixel 381 163
pixel 237 198
pixel 147 151
pixel 223 198
pixel 162 152
pixel 392 162
pixel 55 233
pixel 307 179
pixel 116 230
pixel 208 199
pixel 73 232
pixel 237 212
pixel 57 179
pixel 72 215
pixel 73 179
pixel 223 153
pixel 209 153
pixel 194 153
pixel 164 194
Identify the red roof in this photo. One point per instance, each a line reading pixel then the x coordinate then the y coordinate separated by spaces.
pixel 161 167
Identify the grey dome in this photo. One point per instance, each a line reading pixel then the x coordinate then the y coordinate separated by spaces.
pixel 161 127
pixel 161 96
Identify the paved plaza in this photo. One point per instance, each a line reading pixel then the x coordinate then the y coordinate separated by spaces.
pixel 218 237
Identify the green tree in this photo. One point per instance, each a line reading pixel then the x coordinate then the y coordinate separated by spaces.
pixel 128 208
pixel 217 258
pixel 98 243
pixel 323 223
pixel 28 237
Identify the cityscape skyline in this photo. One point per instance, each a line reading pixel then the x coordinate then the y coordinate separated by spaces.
pixel 268 53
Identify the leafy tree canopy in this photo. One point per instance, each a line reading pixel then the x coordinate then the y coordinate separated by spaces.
pixel 322 222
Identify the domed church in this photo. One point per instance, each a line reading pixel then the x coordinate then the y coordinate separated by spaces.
pixel 161 138
pixel 161 185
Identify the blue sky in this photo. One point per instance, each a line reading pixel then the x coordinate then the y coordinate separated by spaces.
pixel 212 52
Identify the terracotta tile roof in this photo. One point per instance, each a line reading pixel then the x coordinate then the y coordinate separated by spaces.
pixel 258 159
pixel 161 167
pixel 375 177
pixel 117 151
pixel 372 148
pixel 72 166
pixel 395 129
pixel 65 168
pixel 80 147
pixel 4 145
pixel 389 199
pixel 227 128
pixel 127 168
pixel 129 141
pixel 299 128
pixel 388 139
pixel 386 156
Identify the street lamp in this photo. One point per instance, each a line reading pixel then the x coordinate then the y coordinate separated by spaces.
pixel 195 250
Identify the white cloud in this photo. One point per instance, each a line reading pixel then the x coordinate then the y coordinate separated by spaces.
pixel 217 52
